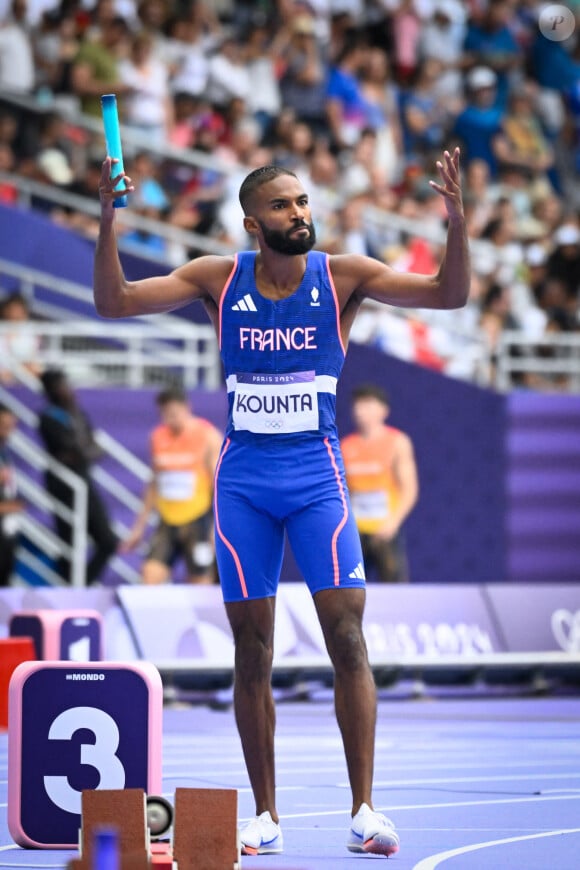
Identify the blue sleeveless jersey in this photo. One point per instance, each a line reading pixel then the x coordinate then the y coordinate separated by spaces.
pixel 282 359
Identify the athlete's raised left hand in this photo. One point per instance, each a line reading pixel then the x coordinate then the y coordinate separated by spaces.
pixel 450 187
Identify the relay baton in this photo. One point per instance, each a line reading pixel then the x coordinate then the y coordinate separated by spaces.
pixel 113 140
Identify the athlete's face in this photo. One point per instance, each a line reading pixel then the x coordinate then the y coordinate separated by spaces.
pixel 282 214
pixel 369 413
pixel 175 415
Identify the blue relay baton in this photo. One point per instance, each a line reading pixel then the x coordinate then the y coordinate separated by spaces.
pixel 113 140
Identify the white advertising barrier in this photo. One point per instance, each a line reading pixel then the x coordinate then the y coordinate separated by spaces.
pixel 183 627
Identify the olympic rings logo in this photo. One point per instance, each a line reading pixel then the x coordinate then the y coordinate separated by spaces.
pixel 566 629
pixel 274 424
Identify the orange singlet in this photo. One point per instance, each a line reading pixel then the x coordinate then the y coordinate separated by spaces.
pixel 368 463
pixel 184 484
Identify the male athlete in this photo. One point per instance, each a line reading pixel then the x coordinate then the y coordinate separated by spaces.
pixel 282 316
pixel 184 452
pixel 381 476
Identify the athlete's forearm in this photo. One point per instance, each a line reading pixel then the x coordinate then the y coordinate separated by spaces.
pixel 109 284
pixel 149 502
pixel 454 276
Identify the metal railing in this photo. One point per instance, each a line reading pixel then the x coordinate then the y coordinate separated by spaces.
pixel 186 239
pixel 126 354
pixel 550 361
pixel 33 459
pixel 142 351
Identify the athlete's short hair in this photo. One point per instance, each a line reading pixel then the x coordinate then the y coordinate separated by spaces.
pixel 370 391
pixel 256 179
pixel 172 394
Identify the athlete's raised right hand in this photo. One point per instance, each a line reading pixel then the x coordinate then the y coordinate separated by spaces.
pixel 107 192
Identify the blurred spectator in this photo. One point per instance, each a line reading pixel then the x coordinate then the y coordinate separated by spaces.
pixel 442 39
pixel 148 107
pixel 554 66
pixel 8 127
pixel 56 43
pixel 478 196
pixel 323 183
pixel 496 316
pixel 153 19
pixel 294 151
pixel 56 152
pixel 352 236
pixel 184 452
pixel 16 52
pixel 87 185
pixel 228 76
pixel 186 53
pixel 68 436
pixel 95 69
pixel 489 42
pixel 150 201
pixel 195 205
pixel 8 190
pixel 182 133
pixel 304 73
pixel 520 143
pixel 17 346
pixel 423 114
pixel 11 507
pixel 564 261
pixel 480 121
pixel 101 14
pixel 381 476
pixel 346 106
pixel 406 27
pixel 382 99
pixel 361 173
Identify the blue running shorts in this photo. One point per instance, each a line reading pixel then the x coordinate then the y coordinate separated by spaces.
pixel 264 488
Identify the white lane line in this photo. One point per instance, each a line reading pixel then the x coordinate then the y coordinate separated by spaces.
pixel 436 860
pixel 391 808
pixel 388 783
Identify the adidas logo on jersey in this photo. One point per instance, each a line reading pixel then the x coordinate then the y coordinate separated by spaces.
pixel 358 573
pixel 315 298
pixel 246 303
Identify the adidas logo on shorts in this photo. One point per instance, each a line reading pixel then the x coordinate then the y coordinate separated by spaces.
pixel 358 573
pixel 246 303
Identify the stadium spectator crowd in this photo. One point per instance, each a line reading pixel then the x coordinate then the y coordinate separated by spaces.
pixel 358 97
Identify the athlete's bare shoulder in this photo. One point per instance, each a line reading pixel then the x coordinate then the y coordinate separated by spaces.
pixel 351 273
pixel 208 274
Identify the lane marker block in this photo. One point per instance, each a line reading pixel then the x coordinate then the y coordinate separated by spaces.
pixel 75 727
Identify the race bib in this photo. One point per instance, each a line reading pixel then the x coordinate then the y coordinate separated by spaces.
pixel 176 485
pixel 370 505
pixel 275 404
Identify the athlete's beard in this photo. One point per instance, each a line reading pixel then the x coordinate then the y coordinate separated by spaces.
pixel 286 242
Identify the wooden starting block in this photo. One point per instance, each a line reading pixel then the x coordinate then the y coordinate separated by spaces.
pixel 67 635
pixel 75 728
pixel 119 810
pixel 214 842
pixel 13 652
pixel 205 834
